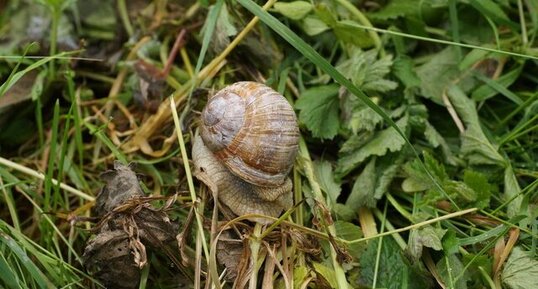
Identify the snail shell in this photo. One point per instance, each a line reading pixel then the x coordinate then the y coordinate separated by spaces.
pixel 247 145
pixel 253 131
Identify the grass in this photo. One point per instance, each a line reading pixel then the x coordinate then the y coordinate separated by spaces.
pixel 438 153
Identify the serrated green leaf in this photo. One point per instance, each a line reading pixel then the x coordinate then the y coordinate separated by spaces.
pixel 366 71
pixel 437 140
pixel 418 179
pixel 404 69
pixel 295 10
pixel 474 143
pixel 363 118
pixel 319 110
pixel 394 271
pixel 424 237
pixel 373 182
pixel 381 143
pixel 520 270
pixel 325 177
pixel 478 182
pixel 460 191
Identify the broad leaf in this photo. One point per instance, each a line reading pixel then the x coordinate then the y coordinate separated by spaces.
pixel 475 146
pixel 396 8
pixel 424 237
pixel 295 10
pixel 381 143
pixel 325 177
pixel 394 271
pixel 520 270
pixel 439 72
pixel 450 267
pixel 319 110
pixel 367 72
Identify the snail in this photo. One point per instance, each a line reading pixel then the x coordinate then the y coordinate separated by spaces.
pixel 246 148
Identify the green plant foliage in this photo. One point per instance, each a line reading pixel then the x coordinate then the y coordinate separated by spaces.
pixel 409 113
pixel 521 270
pixel 319 111
pixel 394 270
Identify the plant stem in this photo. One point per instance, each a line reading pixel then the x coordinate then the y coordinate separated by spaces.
pixel 53 39
pixel 306 162
pixel 255 242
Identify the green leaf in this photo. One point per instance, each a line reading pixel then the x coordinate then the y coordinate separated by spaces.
pixel 424 237
pixel 381 143
pixel 512 192
pixel 313 26
pixel 491 9
pixel 393 271
pixel 327 273
pixel 404 69
pixel 295 10
pixel 319 110
pixel 450 267
pixel 363 118
pixel 475 146
pixel 366 71
pixel 349 231
pixel 325 177
pixel 373 182
pixel 437 140
pixel 397 8
pixel 520 270
pixel 478 182
pixel 439 72
pixel 37 87
pixel 460 191
pixel 418 179
pixel 362 193
pixel 348 33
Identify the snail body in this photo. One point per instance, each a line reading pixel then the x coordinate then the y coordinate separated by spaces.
pixel 247 146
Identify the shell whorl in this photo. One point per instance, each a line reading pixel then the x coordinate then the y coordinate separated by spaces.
pixel 253 130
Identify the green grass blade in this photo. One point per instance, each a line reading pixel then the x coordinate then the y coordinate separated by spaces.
pixel 52 156
pixel 23 258
pixel 440 41
pixel 10 82
pixel 8 276
pixel 212 17
pixel 102 137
